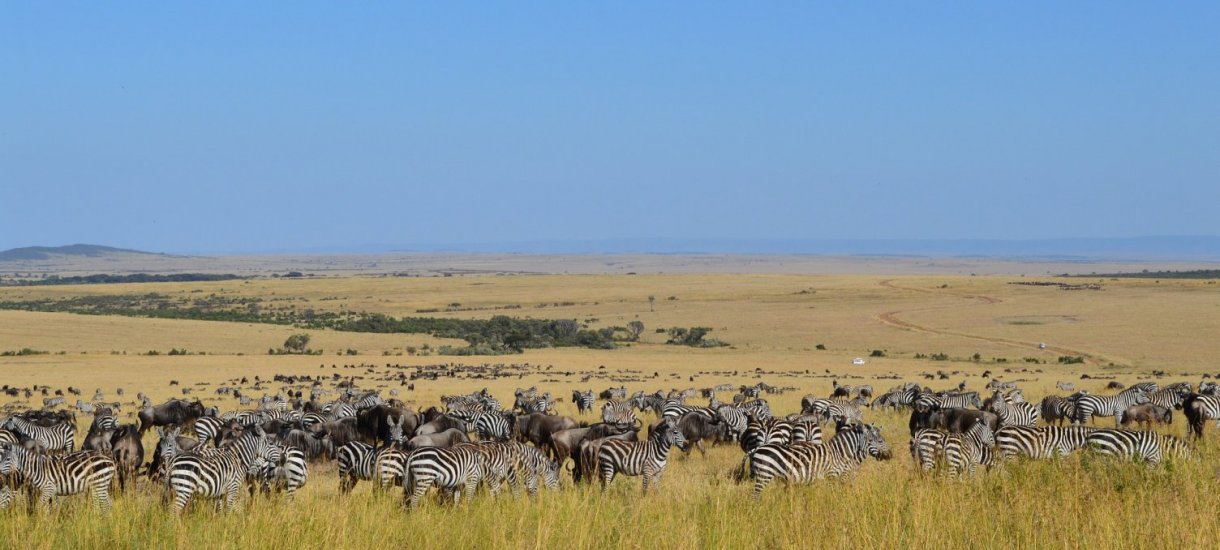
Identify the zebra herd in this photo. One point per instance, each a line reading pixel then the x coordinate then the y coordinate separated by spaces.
pixel 469 440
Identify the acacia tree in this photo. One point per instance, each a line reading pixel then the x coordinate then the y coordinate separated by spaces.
pixel 297 343
pixel 635 328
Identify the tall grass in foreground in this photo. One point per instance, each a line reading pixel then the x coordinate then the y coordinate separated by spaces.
pixel 1081 501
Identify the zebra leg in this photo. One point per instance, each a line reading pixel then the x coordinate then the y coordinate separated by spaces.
pixel 607 475
pixel 231 495
pixel 101 495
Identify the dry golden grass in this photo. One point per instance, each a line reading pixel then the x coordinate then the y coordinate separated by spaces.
pixel 1138 326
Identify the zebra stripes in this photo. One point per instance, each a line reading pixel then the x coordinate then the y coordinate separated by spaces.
pixel 618 412
pixel 58 437
pixel 60 475
pixel 1200 408
pixel 1041 443
pixel 1012 413
pixel 1141 446
pixel 1089 406
pixel 932 401
pixel 215 473
pixel 285 469
pixel 207 428
pixel 639 458
pixel 451 470
pixel 805 463
pixel 965 451
pixel 584 401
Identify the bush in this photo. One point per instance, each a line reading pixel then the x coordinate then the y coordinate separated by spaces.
pixel 877 353
pixel 821 347
pixel 297 343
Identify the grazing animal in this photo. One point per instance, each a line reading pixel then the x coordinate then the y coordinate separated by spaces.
pixel 127 449
pixel 1148 447
pixel 639 458
pixel 56 437
pixel 175 412
pixel 584 401
pixel 1200 408
pixel 60 475
pixel 1041 443
pixel 1146 415
pixel 805 463
pixel 449 469
pixel 215 473
pixel 1090 406
pixel 965 451
pixel 618 412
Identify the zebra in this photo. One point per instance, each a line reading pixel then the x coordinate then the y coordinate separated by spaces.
pixel 531 465
pixel 488 425
pixel 1057 409
pixel 964 451
pixel 804 463
pixel 355 463
pixel 618 412
pixel 927 447
pixel 369 400
pixel 734 417
pixel 1198 409
pixel 57 437
pixel 541 404
pixel 896 398
pixel 676 409
pixel 217 472
pixel 931 401
pixel 1089 406
pixel 1170 396
pixel 208 428
pixel 584 400
pixel 1012 413
pixel 1040 443
pixel 1065 386
pixel 449 469
pixel 640 458
pixel 1149 447
pixel 642 403
pixel 285 468
pixel 60 475
pixel 829 409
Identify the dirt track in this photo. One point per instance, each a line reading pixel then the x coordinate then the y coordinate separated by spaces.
pixel 891 318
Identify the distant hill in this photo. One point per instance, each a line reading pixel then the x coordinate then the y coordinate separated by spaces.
pixel 80 250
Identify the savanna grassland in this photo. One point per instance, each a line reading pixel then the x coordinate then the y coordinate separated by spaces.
pixel 773 324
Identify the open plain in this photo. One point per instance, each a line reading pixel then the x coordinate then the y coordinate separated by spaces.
pixel 790 331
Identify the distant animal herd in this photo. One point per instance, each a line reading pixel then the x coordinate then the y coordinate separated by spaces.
pixel 470 440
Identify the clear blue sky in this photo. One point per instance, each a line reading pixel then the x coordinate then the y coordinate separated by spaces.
pixel 231 127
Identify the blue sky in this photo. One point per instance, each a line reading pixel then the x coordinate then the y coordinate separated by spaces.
pixel 231 127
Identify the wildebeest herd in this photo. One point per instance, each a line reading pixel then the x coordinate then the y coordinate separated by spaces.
pixel 471 440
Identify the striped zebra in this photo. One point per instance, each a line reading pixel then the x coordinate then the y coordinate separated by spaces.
pixel 1171 396
pixel 449 469
pixel 1040 443
pixel 932 401
pixel 641 402
pixel 487 425
pixel 368 400
pixel 285 469
pixel 830 409
pixel 1200 408
pixel 208 428
pixel 215 473
pixel 355 463
pixel 734 417
pixel 57 437
pixel 897 398
pixel 1089 406
pixel 584 401
pixel 618 412
pixel 1057 409
pixel 640 458
pixel 60 475
pixel 531 465
pixel 540 404
pixel 805 463
pixel 1138 445
pixel 1012 413
pixel 927 448
pixel 965 451
pixel 676 409
pixel 338 410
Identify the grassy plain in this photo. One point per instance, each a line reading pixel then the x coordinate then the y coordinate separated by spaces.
pixel 774 322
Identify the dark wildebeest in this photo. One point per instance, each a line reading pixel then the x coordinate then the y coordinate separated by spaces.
pixel 1198 409
pixel 341 431
pixel 128 453
pixel 175 412
pixel 169 439
pixel 952 420
pixel 310 443
pixel 447 438
pixel 374 428
pixel 696 427
pixel 1146 415
pixel 537 428
pixel 440 424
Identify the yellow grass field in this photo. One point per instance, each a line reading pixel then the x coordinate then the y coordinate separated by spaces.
pixel 1126 330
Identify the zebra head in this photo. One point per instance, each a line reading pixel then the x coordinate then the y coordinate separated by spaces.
pixel 8 460
pixel 876 445
pixel 669 434
pixel 550 475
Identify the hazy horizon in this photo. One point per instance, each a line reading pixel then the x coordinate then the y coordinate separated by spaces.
pixel 240 128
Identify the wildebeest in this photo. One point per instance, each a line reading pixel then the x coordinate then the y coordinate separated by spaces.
pixel 696 427
pixel 314 445
pixel 441 423
pixel 566 443
pixel 373 426
pixel 1146 415
pixel 537 428
pixel 175 412
pixel 953 420
pixel 128 452
pixel 341 431
pixel 447 438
